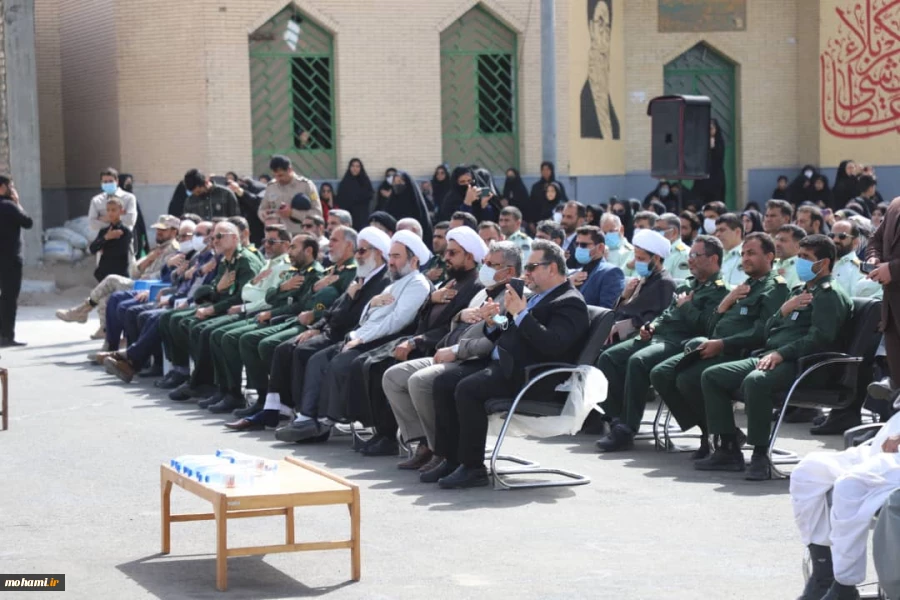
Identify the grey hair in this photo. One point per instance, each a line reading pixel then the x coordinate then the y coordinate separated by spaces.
pixel 229 227
pixel 343 216
pixel 611 218
pixel 349 233
pixel 552 254
pixel 670 219
pixel 410 224
pixel 512 254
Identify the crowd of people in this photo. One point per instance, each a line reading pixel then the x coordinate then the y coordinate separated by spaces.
pixel 406 307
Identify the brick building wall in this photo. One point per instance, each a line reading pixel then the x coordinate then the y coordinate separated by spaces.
pixel 4 114
pixel 50 107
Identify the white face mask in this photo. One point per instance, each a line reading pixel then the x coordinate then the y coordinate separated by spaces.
pixel 709 226
pixel 198 243
pixel 486 276
pixel 808 174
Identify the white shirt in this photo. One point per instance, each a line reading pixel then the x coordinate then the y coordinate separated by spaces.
pixel 98 209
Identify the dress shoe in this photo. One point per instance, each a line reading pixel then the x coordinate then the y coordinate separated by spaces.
pixel 619 438
pixel 298 431
pixel 11 343
pixel 250 410
pixel 822 575
pixel 443 468
pixel 837 422
pixel 385 446
pixel 172 380
pixel 435 461
pixel 703 451
pixel 723 459
pixel 181 393
pixel 100 357
pixel 210 400
pixel 245 425
pixel 760 468
pixel 227 404
pixel 421 458
pixel 881 390
pixel 323 436
pixel 465 477
pixel 800 415
pixel 121 368
pixel 151 371
pixel 839 591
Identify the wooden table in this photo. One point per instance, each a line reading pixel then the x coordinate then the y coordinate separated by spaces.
pixel 294 484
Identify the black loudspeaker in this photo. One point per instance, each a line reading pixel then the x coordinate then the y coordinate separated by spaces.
pixel 680 137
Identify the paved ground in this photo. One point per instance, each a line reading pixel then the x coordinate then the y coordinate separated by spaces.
pixel 80 495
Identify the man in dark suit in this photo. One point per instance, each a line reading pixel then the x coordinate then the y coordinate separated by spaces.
pixel 600 282
pixel 290 357
pixel 13 220
pixel 550 326
pixel 884 250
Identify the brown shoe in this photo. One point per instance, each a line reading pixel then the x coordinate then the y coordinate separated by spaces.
pixel 100 357
pixel 431 464
pixel 420 458
pixel 121 368
pixel 245 425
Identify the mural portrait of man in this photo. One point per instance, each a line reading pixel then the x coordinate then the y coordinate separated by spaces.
pixel 598 115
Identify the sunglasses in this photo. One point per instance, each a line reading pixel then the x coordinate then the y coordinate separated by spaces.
pixel 532 266
pixel 840 236
pixel 584 244
pixel 451 252
pixel 362 251
pixel 270 242
pixel 219 236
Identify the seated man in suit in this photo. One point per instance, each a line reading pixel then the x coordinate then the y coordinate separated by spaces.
pixel 550 326
pixel 627 364
pixel 408 385
pixel 599 281
pixel 387 316
pixel 465 251
pixel 290 357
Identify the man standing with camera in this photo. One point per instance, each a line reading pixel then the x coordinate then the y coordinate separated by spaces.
pixel 883 253
pixel 13 220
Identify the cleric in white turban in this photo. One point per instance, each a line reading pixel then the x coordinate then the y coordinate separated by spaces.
pixel 377 239
pixel 414 243
pixel 652 242
pixel 470 241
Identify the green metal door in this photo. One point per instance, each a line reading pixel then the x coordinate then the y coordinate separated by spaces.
pixel 703 71
pixel 292 94
pixel 479 119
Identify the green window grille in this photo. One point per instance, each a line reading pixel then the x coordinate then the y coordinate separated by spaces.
pixel 479 119
pixel 292 94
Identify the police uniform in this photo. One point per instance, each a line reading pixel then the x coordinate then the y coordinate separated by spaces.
pixel 435 262
pixel 523 242
pixel 627 365
pixel 732 269
pixel 677 261
pixel 621 256
pixel 787 268
pixel 808 330
pixel 741 328
pixel 276 194
pixel 854 282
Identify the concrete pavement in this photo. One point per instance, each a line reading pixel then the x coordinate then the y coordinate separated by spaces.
pixel 80 496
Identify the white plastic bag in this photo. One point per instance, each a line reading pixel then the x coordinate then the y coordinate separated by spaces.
pixel 75 239
pixel 587 388
pixel 57 251
pixel 81 226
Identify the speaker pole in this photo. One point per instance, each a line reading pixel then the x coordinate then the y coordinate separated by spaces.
pixel 548 81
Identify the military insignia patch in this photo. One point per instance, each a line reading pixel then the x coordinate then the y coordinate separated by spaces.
pixel 320 306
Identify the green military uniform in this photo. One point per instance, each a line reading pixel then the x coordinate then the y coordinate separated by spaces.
pixel 436 262
pixel 787 268
pixel 741 328
pixel 808 330
pixel 677 261
pixel 245 265
pixel 627 365
pixel 854 282
pixel 732 269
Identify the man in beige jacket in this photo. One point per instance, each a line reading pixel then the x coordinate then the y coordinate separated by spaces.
pixel 278 205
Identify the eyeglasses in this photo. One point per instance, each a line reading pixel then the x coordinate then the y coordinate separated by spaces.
pixel 840 236
pixel 362 251
pixel 451 252
pixel 532 266
pixel 270 242
pixel 696 255
pixel 496 266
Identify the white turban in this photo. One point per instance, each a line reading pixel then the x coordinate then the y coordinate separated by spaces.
pixel 470 241
pixel 377 239
pixel 414 243
pixel 652 241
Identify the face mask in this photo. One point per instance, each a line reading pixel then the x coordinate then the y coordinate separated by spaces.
pixel 583 255
pixel 805 270
pixel 189 193
pixel 709 226
pixel 557 217
pixel 390 179
pixel 642 268
pixel 399 188
pixel 663 192
pixel 109 188
pixel 613 240
pixel 199 243
pixel 807 173
pixel 486 275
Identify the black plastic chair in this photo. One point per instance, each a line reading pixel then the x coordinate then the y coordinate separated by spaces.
pixel 845 375
pixel 601 323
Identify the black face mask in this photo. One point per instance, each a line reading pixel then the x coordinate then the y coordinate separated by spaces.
pixel 399 188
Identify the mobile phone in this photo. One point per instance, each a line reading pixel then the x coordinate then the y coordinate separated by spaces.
pixel 867 268
pixel 484 192
pixel 518 285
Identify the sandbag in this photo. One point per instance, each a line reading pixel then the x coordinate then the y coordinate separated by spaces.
pixel 81 226
pixel 75 239
pixel 57 251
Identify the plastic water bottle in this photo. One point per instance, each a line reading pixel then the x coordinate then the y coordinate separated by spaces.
pixel 257 463
pixel 187 465
pixel 227 476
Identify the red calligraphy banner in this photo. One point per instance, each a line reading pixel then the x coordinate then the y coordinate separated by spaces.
pixel 860 75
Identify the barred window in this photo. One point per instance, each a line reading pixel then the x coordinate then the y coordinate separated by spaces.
pixel 311 97
pixel 495 93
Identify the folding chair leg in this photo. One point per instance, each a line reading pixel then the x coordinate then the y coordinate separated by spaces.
pixel 654 434
pixel 673 432
pixel 782 457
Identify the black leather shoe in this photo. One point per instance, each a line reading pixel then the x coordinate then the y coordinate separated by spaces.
pixel 171 381
pixel 214 399
pixel 837 422
pixel 250 410
pixel 619 438
pixel 443 469
pixel 323 436
pixel 151 371
pixel 383 447
pixel 227 404
pixel 722 460
pixel 181 393
pixel 9 343
pixel 839 591
pixel 760 469
pixel 465 477
pixel 800 415
pixel 703 451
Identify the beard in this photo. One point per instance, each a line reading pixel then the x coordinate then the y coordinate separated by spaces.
pixel 364 269
pixel 401 272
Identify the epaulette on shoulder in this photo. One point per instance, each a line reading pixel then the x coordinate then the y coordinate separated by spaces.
pixel 781 280
pixel 720 283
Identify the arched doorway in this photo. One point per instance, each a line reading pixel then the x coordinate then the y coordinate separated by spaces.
pixel 479 120
pixel 703 71
pixel 292 94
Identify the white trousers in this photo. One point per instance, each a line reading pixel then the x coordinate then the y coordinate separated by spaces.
pixel 860 479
